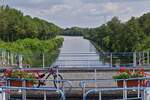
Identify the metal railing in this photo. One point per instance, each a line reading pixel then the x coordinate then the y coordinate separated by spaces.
pixel 111 59
pixel 24 88
pixel 125 95
pixel 124 88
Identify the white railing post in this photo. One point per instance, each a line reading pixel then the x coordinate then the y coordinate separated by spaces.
pixel 3 95
pixel 24 90
pixel 95 77
pixel 0 58
pixel 43 60
pixel 138 88
pixel 148 57
pixel 12 59
pixel 143 54
pixel 140 59
pixel 44 95
pixel 100 95
pixel 20 61
pixel 8 57
pixel 125 91
pixel 83 89
pixel 3 57
pixel 57 79
pixel 134 59
pixel 110 59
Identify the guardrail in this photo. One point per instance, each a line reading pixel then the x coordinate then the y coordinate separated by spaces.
pixel 31 88
pixel 58 89
pixel 111 59
pixel 125 95
pixel 124 88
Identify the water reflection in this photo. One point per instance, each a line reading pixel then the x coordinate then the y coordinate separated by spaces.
pixel 78 52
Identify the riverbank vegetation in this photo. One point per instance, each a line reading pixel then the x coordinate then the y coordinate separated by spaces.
pixel 117 36
pixel 33 50
pixel 113 36
pixel 74 31
pixel 15 25
pixel 33 38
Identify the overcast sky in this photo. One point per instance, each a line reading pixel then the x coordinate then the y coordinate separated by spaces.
pixel 81 13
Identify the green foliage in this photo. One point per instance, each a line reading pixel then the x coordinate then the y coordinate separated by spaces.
pixel 123 75
pixel 33 50
pixel 115 36
pixel 74 31
pixel 14 25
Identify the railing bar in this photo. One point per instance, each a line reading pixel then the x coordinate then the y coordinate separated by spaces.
pixel 138 88
pixel 100 95
pixel 44 95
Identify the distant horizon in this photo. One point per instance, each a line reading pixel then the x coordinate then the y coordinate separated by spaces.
pixel 80 13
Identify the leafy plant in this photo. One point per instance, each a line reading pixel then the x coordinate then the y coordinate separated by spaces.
pixel 20 74
pixel 128 73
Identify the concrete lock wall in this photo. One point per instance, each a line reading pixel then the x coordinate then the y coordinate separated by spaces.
pixel 75 75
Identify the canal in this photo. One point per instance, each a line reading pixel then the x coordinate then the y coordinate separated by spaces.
pixel 78 52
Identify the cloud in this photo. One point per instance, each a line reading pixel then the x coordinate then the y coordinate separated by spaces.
pixel 84 13
pixel 111 7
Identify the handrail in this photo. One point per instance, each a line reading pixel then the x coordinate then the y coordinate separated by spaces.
pixel 110 89
pixel 22 79
pixel 83 83
pixel 44 88
pixel 60 90
pixel 33 88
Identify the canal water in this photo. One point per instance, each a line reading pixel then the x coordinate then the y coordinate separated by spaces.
pixel 78 52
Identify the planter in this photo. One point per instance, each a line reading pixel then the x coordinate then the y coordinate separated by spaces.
pixel 19 83
pixel 130 83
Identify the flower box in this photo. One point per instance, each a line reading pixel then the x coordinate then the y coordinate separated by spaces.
pixel 18 83
pixel 20 74
pixel 130 74
pixel 129 83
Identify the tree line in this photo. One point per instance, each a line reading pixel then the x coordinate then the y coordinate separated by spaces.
pixel 117 36
pixel 114 36
pixel 15 25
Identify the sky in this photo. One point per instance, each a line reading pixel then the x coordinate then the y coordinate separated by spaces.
pixel 80 13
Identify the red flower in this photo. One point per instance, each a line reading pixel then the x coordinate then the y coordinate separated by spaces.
pixel 122 69
pixel 8 72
